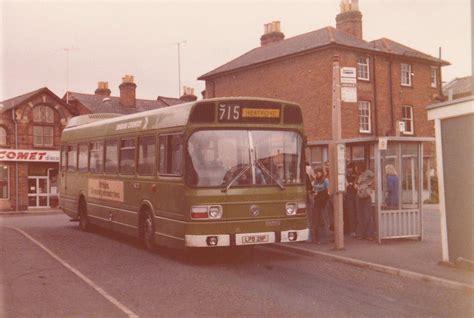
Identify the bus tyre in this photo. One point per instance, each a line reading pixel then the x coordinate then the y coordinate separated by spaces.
pixel 148 230
pixel 84 224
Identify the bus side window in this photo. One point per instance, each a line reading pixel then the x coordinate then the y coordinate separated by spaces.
pixel 71 158
pixel 171 155
pixel 96 157
pixel 127 156
pixel 146 155
pixel 63 158
pixel 111 156
pixel 83 156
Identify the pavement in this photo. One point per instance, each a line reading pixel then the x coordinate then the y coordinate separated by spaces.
pixel 412 258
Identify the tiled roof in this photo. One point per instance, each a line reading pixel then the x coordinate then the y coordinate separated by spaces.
pixel 170 100
pixel 18 100
pixel 15 101
pixel 313 40
pixel 462 85
pixel 111 104
pixel 390 46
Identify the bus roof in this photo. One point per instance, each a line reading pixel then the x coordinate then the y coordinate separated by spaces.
pixel 160 118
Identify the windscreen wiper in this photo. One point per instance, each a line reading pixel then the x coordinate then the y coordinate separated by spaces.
pixel 269 174
pixel 244 170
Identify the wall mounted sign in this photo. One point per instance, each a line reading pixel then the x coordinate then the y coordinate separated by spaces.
pixel 29 155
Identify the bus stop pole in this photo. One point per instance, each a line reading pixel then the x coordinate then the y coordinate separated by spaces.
pixel 334 154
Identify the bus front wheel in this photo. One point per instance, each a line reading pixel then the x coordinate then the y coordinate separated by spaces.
pixel 83 219
pixel 148 230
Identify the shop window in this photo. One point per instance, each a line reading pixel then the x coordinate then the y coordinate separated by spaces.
pixel 83 155
pixel 3 136
pixel 363 69
pixel 4 181
pixel 43 136
pixel 71 158
pixel 405 73
pixel 407 118
pixel 127 156
pixel 146 155
pixel 96 157
pixel 111 156
pixel 43 114
pixel 364 117
pixel 171 155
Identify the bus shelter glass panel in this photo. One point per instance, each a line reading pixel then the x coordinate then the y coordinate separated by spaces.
pixel 400 180
pixel 410 176
pixel 390 178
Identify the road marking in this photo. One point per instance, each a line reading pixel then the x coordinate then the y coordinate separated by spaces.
pixel 89 282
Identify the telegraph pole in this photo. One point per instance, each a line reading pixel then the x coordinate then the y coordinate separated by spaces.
pixel 337 158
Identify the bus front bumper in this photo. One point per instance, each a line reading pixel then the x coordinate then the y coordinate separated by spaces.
pixel 242 239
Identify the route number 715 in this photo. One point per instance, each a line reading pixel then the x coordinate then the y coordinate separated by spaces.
pixel 229 112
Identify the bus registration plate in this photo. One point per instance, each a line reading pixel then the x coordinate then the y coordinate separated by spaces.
pixel 255 239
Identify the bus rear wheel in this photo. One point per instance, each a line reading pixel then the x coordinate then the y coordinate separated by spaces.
pixel 148 230
pixel 84 224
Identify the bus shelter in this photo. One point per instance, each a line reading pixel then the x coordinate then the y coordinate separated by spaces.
pixel 401 180
pixel 399 187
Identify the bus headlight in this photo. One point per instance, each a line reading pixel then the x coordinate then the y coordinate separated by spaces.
pixel 215 212
pixel 290 208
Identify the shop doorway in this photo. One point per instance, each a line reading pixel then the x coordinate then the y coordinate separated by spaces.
pixel 38 192
pixel 43 190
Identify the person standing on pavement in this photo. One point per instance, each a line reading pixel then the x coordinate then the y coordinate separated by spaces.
pixel 310 176
pixel 350 198
pixel 391 199
pixel 320 211
pixel 364 186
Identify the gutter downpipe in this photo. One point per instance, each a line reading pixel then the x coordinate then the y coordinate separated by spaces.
pixel 392 126
pixel 16 162
pixel 375 99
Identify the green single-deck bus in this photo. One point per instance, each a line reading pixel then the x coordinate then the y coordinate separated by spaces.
pixel 216 172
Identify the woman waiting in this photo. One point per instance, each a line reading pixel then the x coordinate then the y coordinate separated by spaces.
pixel 392 187
pixel 320 211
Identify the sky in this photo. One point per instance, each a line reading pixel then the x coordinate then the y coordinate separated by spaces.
pixel 104 40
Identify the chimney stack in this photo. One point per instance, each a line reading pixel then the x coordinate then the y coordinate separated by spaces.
pixel 127 91
pixel 350 18
pixel 103 89
pixel 271 33
pixel 188 94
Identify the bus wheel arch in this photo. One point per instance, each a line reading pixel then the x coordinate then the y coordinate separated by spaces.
pixel 147 227
pixel 84 223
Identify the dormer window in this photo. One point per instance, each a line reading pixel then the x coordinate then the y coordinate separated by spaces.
pixel 43 114
pixel 43 135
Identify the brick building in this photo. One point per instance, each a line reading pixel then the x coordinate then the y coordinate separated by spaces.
pixel 394 83
pixel 30 132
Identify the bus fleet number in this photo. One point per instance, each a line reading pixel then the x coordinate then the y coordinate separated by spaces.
pixel 229 112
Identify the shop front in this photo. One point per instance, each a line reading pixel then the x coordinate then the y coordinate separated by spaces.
pixel 28 178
